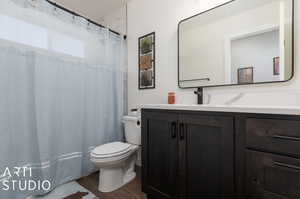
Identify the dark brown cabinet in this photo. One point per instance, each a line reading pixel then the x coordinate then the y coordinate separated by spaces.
pixel 159 152
pixel 215 155
pixel 274 135
pixel 267 156
pixel 207 160
pixel 270 176
pixel 186 156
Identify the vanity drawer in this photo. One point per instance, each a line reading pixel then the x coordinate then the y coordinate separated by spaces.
pixel 281 136
pixel 270 176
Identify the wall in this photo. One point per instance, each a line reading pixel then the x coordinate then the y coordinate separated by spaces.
pixel 162 17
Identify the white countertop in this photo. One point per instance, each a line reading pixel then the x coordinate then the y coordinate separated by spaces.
pixel 280 110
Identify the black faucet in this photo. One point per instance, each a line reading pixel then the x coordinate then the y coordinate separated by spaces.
pixel 199 94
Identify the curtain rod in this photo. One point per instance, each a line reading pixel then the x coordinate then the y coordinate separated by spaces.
pixel 78 15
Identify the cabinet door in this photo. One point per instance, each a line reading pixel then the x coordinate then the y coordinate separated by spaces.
pixel 270 176
pixel 207 145
pixel 159 154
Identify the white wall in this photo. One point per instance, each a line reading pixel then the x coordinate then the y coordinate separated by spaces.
pixel 145 16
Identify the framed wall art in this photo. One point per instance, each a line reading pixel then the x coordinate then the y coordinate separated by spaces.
pixel 147 61
pixel 276 66
pixel 245 75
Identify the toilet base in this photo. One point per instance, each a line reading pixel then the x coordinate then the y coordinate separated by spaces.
pixel 113 178
pixel 129 177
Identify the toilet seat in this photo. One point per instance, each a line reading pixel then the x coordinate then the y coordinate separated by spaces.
pixel 113 156
pixel 110 160
pixel 111 150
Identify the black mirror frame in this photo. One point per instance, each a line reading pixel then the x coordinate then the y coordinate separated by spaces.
pixel 271 82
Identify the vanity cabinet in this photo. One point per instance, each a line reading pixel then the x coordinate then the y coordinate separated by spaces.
pixel 274 135
pixel 220 155
pixel 206 156
pixel 268 156
pixel 270 176
pixel 187 155
pixel 159 154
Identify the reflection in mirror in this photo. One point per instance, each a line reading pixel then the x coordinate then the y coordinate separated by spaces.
pixel 241 42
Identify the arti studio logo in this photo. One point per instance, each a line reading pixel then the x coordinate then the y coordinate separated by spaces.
pixel 13 179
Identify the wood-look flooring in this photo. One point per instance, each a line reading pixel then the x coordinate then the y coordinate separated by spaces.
pixel 78 195
pixel 130 191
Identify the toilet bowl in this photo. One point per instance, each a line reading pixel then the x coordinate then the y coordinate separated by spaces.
pixel 116 160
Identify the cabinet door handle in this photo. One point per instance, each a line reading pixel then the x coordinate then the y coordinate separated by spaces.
pixel 181 131
pixel 173 130
pixel 282 137
pixel 279 164
pixel 255 181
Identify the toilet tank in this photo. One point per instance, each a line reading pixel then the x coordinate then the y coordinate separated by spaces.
pixel 132 126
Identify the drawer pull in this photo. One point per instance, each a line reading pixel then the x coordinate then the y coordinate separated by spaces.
pixel 281 137
pixel 181 131
pixel 173 130
pixel 279 164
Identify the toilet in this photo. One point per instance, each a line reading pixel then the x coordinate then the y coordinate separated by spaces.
pixel 116 160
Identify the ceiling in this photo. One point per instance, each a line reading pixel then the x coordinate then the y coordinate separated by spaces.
pixel 95 10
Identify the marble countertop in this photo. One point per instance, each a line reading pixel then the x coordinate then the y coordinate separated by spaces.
pixel 280 110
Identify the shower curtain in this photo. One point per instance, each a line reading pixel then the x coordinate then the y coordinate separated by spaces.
pixel 54 109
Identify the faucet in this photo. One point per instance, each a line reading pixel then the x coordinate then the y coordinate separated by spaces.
pixel 199 94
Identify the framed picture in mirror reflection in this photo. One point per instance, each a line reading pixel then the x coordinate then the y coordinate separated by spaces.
pixel 276 65
pixel 245 75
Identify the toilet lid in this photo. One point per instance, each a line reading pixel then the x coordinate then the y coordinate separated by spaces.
pixel 111 149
